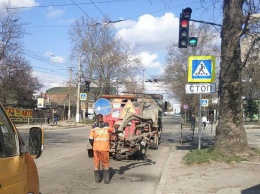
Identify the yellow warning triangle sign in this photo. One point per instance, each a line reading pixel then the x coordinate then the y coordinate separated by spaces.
pixel 128 108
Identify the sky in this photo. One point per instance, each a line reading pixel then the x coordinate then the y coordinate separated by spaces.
pixel 151 24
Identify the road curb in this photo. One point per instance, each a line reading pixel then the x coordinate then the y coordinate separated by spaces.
pixel 52 127
pixel 165 172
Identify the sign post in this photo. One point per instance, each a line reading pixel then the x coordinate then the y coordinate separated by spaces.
pixel 201 72
pixel 200 128
pixel 185 107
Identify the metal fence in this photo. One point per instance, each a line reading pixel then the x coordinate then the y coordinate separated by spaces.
pixel 29 121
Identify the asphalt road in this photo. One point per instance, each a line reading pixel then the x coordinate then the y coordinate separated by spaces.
pixel 64 166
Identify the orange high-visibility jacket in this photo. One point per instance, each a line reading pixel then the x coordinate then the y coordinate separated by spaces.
pixel 100 135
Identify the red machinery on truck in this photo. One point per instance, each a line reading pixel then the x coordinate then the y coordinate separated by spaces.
pixel 140 123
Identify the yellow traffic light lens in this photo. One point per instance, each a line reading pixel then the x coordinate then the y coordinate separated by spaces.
pixel 184 32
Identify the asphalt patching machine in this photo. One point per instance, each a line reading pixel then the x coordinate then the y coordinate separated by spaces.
pixel 139 117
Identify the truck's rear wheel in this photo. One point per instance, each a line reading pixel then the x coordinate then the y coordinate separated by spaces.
pixel 155 144
pixel 90 153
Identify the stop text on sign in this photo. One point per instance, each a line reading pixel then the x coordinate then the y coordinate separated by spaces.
pixel 200 88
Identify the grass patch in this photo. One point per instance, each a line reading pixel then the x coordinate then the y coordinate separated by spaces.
pixel 253 155
pixel 88 121
pixel 256 151
pixel 209 154
pixel 256 122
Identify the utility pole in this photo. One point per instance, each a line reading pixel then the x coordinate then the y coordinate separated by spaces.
pixel 143 82
pixel 117 86
pixel 78 92
pixel 70 69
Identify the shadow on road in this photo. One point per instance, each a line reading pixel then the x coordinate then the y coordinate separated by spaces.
pixel 127 167
pixel 189 144
pixel 252 190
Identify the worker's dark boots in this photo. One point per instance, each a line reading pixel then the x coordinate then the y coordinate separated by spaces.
pixel 97 176
pixel 106 176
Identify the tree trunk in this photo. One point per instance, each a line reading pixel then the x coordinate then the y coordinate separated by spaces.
pixel 230 131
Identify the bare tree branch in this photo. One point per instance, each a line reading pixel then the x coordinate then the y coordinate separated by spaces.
pixel 108 58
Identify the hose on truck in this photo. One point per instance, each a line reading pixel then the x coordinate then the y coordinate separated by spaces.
pixel 132 116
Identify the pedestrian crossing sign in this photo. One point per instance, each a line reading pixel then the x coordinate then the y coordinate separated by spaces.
pixel 204 102
pixel 201 69
pixel 83 96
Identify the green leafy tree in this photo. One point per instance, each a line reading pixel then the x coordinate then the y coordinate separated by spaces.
pixel 250 108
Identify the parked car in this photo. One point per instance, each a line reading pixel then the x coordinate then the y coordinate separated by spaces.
pixel 90 115
pixel 18 171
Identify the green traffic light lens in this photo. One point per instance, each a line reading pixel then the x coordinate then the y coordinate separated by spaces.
pixel 193 41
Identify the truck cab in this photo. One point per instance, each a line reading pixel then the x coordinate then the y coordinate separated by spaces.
pixel 18 171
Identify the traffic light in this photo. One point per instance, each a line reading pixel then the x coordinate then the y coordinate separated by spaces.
pixel 165 105
pixel 193 41
pixel 186 13
pixel 87 86
pixel 184 28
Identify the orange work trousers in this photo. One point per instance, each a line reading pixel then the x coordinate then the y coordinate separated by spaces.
pixel 101 157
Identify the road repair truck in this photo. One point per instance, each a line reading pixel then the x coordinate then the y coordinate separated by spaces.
pixel 139 117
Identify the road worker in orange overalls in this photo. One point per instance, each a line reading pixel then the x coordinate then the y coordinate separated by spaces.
pixel 99 139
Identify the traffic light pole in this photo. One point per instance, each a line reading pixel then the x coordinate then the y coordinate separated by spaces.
pixel 86 106
pixel 199 21
pixel 86 103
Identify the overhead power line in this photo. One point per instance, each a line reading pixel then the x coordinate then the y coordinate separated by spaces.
pixel 43 58
pixel 55 67
pixel 112 23
pixel 98 2
pixel 65 4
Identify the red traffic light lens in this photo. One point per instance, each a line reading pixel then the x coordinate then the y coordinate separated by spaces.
pixel 184 23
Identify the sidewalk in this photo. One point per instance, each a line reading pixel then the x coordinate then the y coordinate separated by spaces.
pixel 60 125
pixel 219 178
